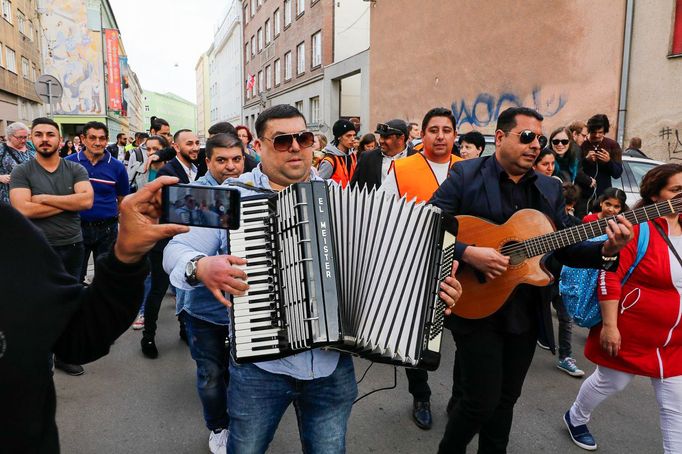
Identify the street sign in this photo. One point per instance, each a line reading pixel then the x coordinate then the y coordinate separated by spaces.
pixel 49 89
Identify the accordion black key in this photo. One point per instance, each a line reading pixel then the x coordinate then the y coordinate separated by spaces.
pixel 346 269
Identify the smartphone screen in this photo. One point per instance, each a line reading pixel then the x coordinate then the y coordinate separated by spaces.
pixel 201 206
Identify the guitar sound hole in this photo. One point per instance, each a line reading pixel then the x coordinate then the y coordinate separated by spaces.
pixel 515 251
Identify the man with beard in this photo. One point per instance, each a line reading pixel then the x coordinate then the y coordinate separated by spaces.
pixel 51 191
pixel 186 145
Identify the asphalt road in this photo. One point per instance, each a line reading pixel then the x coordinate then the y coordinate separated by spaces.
pixel 126 403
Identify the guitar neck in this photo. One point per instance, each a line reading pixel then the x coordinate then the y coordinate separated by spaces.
pixel 544 244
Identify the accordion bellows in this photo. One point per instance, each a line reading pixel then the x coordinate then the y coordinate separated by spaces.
pixel 348 269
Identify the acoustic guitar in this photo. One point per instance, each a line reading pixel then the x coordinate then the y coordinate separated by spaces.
pixel 525 238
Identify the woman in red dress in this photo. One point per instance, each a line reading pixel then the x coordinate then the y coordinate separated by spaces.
pixel 641 333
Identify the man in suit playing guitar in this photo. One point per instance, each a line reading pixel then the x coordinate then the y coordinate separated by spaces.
pixel 494 352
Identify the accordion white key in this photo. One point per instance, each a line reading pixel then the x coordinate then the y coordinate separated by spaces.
pixel 346 269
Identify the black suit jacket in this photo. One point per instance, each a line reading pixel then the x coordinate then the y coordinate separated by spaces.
pixel 368 169
pixel 174 168
pixel 473 188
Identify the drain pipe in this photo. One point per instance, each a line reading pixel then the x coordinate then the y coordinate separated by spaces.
pixel 625 71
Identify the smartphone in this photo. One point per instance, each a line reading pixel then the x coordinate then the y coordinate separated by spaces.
pixel 201 206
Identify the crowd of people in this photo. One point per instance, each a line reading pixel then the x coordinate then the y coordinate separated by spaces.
pixel 88 197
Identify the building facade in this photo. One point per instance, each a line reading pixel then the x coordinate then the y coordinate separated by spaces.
pixel 287 44
pixel 479 59
pixel 82 47
pixel 203 96
pixel 225 68
pixel 20 63
pixel 178 112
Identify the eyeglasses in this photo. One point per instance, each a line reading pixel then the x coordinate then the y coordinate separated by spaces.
pixel 283 142
pixel 559 141
pixel 385 130
pixel 21 137
pixel 527 136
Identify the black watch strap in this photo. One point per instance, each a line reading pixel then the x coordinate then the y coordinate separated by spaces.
pixel 191 277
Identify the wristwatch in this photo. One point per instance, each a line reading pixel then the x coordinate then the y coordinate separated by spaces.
pixel 191 270
pixel 608 262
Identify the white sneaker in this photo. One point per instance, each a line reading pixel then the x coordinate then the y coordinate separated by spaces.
pixel 217 442
pixel 139 322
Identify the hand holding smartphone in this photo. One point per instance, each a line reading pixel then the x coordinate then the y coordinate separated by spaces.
pixel 201 206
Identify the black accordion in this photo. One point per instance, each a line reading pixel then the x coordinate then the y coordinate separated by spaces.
pixel 347 269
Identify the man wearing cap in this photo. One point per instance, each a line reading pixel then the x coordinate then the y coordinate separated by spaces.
pixel 417 177
pixel 373 166
pixel 339 159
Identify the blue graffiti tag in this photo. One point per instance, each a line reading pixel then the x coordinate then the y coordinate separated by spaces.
pixel 486 108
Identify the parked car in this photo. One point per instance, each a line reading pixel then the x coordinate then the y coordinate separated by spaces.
pixel 634 170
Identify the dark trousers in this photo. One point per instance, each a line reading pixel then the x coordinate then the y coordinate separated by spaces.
pixel 98 238
pixel 565 327
pixel 157 291
pixel 418 384
pixel 72 257
pixel 490 369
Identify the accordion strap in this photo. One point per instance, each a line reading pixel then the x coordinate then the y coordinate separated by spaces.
pixel 239 184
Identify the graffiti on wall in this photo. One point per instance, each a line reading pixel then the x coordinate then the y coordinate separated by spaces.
pixel 74 56
pixel 672 137
pixel 485 108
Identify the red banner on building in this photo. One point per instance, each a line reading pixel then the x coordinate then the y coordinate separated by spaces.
pixel 113 69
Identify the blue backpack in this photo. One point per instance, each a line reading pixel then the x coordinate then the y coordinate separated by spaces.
pixel 578 286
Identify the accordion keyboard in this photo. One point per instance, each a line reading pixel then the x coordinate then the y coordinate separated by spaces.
pixel 257 331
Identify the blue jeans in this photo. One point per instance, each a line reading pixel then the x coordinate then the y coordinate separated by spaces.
pixel 207 346
pixel 258 399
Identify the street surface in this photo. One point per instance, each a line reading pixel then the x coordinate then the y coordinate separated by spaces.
pixel 126 403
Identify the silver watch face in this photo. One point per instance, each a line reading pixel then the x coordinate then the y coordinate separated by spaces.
pixel 189 268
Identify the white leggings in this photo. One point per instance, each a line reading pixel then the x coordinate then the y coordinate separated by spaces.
pixel 604 382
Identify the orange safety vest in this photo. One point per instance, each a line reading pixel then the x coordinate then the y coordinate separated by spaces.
pixel 414 177
pixel 341 173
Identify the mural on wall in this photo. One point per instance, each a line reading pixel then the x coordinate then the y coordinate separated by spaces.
pixel 483 110
pixel 73 54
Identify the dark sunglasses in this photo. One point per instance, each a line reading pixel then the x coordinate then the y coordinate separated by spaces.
pixel 527 136
pixel 385 130
pixel 559 141
pixel 283 142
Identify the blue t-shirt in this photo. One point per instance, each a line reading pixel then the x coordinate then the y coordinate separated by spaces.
pixel 109 180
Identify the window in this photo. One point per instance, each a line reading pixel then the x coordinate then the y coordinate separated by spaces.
pixel 260 82
pixel 246 14
pixel 25 68
pixel 7 10
pixel 300 59
pixel 268 32
pixel 277 22
pixel 315 110
pixel 677 30
pixel 10 59
pixel 246 52
pixel 268 77
pixel 260 2
pixel 287 66
pixel 1 65
pixel 253 8
pixel 33 72
pixel 22 22
pixel 278 72
pixel 300 7
pixel 287 13
pixel 299 106
pixel 260 39
pixel 30 30
pixel 317 49
pixel 253 46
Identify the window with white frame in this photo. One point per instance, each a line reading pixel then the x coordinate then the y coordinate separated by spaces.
pixel 253 46
pixel 287 13
pixel 2 65
pixel 278 72
pixel 268 77
pixel 25 68
pixel 287 66
pixel 260 39
pixel 300 58
pixel 317 49
pixel 21 18
pixel 253 8
pixel 268 32
pixel 33 72
pixel 246 52
pixel 299 106
pixel 31 32
pixel 246 14
pixel 277 22
pixel 300 7
pixel 260 2
pixel 10 59
pixel 7 10
pixel 260 82
pixel 315 110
